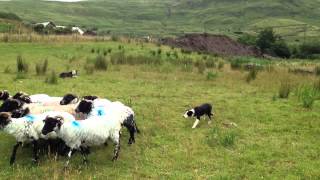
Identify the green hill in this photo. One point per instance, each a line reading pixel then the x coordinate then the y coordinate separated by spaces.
pixel 171 17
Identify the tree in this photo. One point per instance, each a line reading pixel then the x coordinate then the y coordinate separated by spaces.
pixel 266 39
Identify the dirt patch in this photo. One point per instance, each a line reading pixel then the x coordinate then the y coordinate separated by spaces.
pixel 215 44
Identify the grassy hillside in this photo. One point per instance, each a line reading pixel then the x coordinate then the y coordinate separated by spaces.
pixel 273 138
pixel 170 17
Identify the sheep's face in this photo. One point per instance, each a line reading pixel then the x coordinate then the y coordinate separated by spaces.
pixel 51 124
pixel 24 97
pixel 189 113
pixel 18 113
pixel 5 119
pixel 10 105
pixel 85 106
pixel 4 95
pixel 69 99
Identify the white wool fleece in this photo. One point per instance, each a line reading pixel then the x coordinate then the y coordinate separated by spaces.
pixel 45 99
pixel 111 111
pixel 88 132
pixel 40 109
pixel 29 128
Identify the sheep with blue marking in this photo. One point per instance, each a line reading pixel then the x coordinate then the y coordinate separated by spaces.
pixel 81 135
pixel 28 129
pixel 106 109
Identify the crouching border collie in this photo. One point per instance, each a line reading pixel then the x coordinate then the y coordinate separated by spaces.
pixel 198 112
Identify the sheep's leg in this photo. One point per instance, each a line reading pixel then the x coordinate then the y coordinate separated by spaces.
pixel 116 140
pixel 14 152
pixel 84 153
pixel 69 157
pixel 132 131
pixel 35 152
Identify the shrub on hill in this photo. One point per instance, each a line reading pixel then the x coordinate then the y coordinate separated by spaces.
pixel 10 16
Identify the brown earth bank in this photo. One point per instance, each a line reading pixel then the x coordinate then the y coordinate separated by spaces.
pixel 213 44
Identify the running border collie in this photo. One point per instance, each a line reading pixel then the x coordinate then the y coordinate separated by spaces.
pixel 198 112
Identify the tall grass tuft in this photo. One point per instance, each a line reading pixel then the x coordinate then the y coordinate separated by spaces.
pixel 52 78
pixel 210 63
pixel 22 66
pixel 220 65
pixel 101 63
pixel 317 70
pixel 41 68
pixel 236 64
pixel 307 95
pixel 228 139
pixel 201 66
pixel 316 85
pixel 252 75
pixel 284 90
pixel 89 67
pixel 212 75
pixel 7 70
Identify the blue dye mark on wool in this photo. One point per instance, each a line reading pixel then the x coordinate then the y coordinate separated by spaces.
pixel 75 124
pixel 101 112
pixel 30 118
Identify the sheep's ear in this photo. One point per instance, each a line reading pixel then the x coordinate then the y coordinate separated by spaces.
pixel 59 118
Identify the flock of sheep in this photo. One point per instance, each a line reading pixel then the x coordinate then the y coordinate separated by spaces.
pixel 74 124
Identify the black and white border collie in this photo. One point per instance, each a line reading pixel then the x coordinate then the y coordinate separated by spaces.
pixel 71 74
pixel 198 112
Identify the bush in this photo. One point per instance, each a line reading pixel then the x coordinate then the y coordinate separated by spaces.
pixel 101 63
pixel 212 75
pixel 252 75
pixel 309 50
pixel 284 90
pixel 41 68
pixel 281 49
pixel 22 66
pixel 307 95
pixel 11 16
pixel 52 78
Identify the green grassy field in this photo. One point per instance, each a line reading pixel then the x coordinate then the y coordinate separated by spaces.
pixel 173 17
pixel 273 138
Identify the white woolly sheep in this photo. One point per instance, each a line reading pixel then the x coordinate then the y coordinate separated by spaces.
pixel 79 135
pixel 107 110
pixel 28 129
